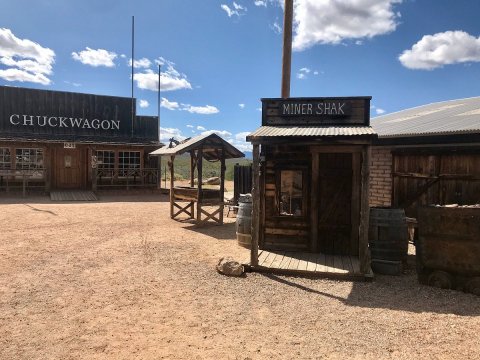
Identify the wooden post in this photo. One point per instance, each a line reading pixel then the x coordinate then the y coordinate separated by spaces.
pixel 94 178
pixel 356 202
pixel 222 184
pixel 199 184
pixel 193 165
pixel 172 184
pixel 255 205
pixel 48 169
pixel 364 253
pixel 24 185
pixel 287 48
pixel 314 204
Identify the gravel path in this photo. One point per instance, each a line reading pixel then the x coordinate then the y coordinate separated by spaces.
pixel 118 279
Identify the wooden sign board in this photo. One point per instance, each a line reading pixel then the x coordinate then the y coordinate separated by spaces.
pixel 345 111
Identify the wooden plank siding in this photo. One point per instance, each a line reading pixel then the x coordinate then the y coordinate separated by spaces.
pixel 423 179
pixel 284 232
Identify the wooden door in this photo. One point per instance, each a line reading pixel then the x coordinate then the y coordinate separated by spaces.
pixel 338 205
pixel 70 169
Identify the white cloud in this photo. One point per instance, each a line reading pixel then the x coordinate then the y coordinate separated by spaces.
pixel 260 2
pixel 201 128
pixel 144 104
pixel 141 63
pixel 222 133
pixel 379 111
pixel 302 73
pixel 434 51
pixel 241 136
pixel 173 105
pixel 315 72
pixel 72 83
pixel 332 21
pixel 26 61
pixel 167 133
pixel 241 106
pixel 236 9
pixel 190 126
pixel 92 57
pixel 204 110
pixel 276 27
pixel 148 80
pixel 170 78
pixel 239 141
pixel 170 105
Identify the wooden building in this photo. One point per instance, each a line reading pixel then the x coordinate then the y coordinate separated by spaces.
pixel 53 140
pixel 209 201
pixel 427 155
pixel 311 181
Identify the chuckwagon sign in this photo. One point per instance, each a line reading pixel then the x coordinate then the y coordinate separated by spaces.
pixel 65 116
pixel 316 111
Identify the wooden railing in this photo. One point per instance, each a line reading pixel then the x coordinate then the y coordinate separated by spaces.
pixel 25 179
pixel 125 178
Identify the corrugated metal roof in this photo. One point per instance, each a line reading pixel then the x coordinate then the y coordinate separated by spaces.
pixel 449 117
pixel 310 131
pixel 208 140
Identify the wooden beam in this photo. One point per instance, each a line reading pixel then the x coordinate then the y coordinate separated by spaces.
pixel 314 202
pixel 287 48
pixel 255 205
pixel 363 251
pixel 222 183
pixel 199 184
pixel 172 184
pixel 356 203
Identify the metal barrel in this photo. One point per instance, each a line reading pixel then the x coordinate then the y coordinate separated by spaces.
pixel 388 239
pixel 243 226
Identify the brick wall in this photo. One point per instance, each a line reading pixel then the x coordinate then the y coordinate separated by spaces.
pixel 381 176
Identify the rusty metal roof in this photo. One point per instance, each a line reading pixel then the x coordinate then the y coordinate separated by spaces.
pixel 307 131
pixel 460 116
pixel 212 145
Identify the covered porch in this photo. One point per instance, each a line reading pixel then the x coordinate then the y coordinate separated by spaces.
pixel 208 201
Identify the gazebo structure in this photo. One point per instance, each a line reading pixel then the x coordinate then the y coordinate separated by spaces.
pixel 212 148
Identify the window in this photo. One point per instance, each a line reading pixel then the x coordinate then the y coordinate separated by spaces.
pixel 30 159
pixel 291 193
pixel 128 160
pixel 105 159
pixel 5 159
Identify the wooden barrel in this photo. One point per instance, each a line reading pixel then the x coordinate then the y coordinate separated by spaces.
pixel 388 239
pixel 243 226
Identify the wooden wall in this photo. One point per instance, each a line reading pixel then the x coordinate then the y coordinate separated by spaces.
pixel 435 178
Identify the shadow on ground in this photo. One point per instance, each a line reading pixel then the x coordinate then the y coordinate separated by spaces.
pixel 402 293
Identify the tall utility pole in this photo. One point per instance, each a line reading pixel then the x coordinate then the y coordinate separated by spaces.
pixel 287 48
pixel 133 57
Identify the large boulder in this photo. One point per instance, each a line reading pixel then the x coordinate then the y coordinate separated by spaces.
pixel 228 266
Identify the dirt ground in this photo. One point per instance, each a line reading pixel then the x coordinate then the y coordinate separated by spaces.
pixel 118 279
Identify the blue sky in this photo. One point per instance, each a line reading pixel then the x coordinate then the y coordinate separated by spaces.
pixel 219 58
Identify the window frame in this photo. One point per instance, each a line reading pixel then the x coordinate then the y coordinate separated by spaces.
pixel 3 157
pixel 278 190
pixel 122 169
